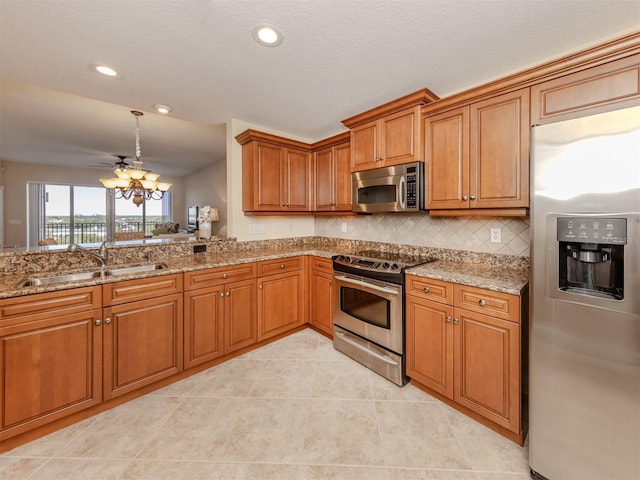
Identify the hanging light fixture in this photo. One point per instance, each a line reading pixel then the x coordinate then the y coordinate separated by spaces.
pixel 136 183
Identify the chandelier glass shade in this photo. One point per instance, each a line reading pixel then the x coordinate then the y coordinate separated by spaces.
pixel 136 183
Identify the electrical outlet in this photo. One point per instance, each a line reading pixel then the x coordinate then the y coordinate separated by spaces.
pixel 343 227
pixel 496 235
pixel 256 228
pixel 276 228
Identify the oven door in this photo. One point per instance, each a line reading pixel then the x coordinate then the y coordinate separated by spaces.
pixel 369 308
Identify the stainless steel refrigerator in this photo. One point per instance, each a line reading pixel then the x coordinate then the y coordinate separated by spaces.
pixel 584 371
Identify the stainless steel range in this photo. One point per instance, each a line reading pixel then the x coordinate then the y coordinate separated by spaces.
pixel 368 311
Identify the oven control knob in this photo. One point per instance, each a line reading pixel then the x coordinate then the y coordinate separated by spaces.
pixel 394 266
pixel 385 265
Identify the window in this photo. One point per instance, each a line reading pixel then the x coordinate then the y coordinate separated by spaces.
pixel 87 214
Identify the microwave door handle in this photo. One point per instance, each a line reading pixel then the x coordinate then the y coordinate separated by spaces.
pixel 403 193
pixel 367 285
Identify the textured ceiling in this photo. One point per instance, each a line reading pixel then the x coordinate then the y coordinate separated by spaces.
pixel 338 58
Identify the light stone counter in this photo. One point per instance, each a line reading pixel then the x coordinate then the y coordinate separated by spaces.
pixel 499 273
pixel 490 277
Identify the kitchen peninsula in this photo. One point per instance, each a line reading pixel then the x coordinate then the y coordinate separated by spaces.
pixel 157 316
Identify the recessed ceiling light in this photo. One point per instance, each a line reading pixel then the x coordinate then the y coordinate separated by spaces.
pixel 164 109
pixel 103 69
pixel 267 35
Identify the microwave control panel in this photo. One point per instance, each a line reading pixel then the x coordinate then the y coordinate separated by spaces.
pixel 412 198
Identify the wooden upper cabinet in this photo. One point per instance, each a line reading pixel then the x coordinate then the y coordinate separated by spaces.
pixel 332 175
pixel 477 156
pixel 276 173
pixel 388 134
pixel 499 151
pixel 607 87
pixel 447 159
pixel 295 191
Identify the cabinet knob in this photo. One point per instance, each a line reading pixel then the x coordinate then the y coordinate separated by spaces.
pixel 98 322
pixel 472 197
pixel 448 319
pixel 282 265
pixel 482 302
pixel 107 320
pixel 426 289
pixel 228 294
pixel 222 294
pixel 260 286
pixel 456 321
pixel 224 275
pixel 283 204
pixel 464 197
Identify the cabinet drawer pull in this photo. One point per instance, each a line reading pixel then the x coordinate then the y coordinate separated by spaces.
pixel 282 265
pixel 107 320
pixel 98 322
pixel 426 289
pixel 224 275
pixel 482 302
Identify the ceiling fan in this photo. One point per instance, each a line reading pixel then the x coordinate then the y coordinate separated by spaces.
pixel 121 164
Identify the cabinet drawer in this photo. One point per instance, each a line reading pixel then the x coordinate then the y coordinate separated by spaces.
pixel 271 267
pixel 46 305
pixel 430 289
pixel 321 264
pixel 141 289
pixel 496 304
pixel 219 275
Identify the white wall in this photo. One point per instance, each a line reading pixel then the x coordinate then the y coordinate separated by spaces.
pixel 208 186
pixel 239 225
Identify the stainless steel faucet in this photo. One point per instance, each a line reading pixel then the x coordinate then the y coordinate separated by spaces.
pixel 102 256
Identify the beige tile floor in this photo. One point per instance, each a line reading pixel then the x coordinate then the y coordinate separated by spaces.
pixel 294 409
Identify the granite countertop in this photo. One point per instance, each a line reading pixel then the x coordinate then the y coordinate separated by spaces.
pixel 498 278
pixel 490 277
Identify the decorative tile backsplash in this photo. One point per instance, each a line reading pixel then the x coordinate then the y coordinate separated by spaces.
pixel 459 233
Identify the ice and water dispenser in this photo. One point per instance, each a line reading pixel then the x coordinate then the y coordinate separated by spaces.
pixel 591 251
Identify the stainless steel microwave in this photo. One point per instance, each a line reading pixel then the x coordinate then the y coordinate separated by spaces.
pixel 399 188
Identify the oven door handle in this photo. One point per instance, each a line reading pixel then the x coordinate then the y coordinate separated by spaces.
pixel 367 285
pixel 384 358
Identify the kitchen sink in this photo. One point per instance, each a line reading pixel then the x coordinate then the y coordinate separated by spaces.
pixel 52 279
pixel 79 276
pixel 133 270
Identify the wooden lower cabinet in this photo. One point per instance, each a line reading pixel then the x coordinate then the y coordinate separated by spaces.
pixel 487 367
pixel 468 357
pixel 49 369
pixel 142 343
pixel 240 317
pixel 203 325
pixel 321 297
pixel 281 300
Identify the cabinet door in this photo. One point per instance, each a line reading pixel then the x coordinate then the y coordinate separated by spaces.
pixel 142 343
pixel 297 180
pixel 399 137
pixel 430 348
pixel 487 371
pixel 447 159
pixel 364 147
pixel 322 302
pixel 240 320
pixel 323 189
pixel 499 152
pixel 268 175
pixel 280 303
pixel 203 323
pixel 49 369
pixel 342 177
